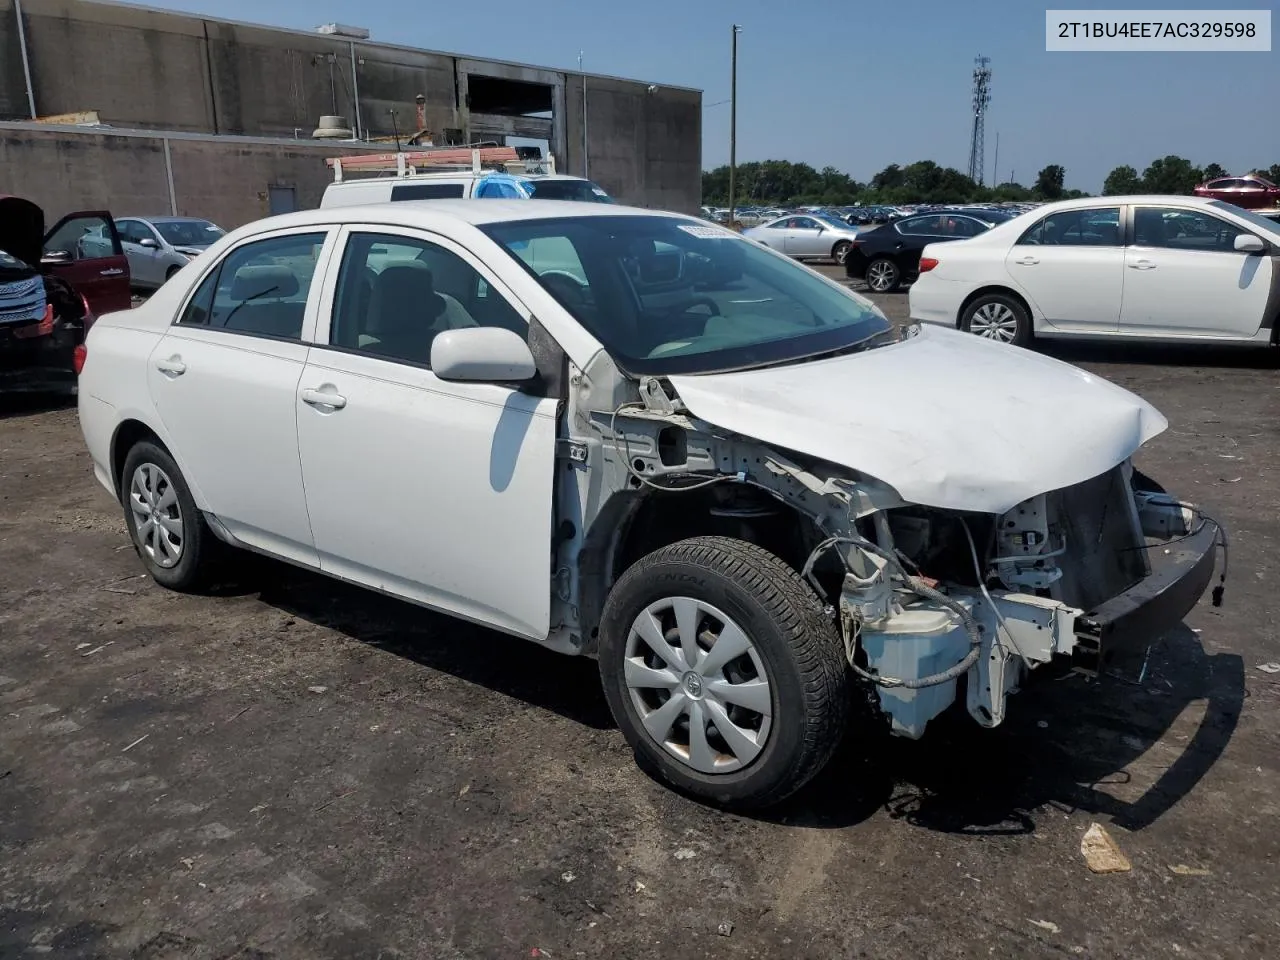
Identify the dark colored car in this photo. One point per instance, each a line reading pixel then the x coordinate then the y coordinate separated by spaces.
pixel 889 256
pixel 53 285
pixel 1250 191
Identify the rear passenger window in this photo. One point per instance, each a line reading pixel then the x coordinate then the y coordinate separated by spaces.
pixel 396 293
pixel 259 289
pixel 1076 228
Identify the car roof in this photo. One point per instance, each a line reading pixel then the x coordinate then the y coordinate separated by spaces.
pixel 475 212
pixel 1145 199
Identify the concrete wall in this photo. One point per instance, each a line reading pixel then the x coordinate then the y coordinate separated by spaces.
pixel 224 179
pixel 642 146
pixel 147 69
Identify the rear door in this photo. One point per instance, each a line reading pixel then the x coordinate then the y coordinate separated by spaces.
pixel 224 379
pixel 84 250
pixel 1070 264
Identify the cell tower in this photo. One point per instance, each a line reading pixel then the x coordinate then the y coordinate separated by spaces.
pixel 981 98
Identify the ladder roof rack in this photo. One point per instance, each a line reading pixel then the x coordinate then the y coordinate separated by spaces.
pixel 408 163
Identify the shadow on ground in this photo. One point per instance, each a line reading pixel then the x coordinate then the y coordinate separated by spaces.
pixel 959 779
pixel 24 393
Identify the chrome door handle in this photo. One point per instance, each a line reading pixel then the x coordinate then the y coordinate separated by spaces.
pixel 1142 265
pixel 110 272
pixel 1027 261
pixel 322 398
pixel 173 365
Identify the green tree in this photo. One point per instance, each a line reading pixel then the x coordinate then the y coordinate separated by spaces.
pixel 1272 173
pixel 1122 180
pixel 1213 171
pixel 1049 182
pixel 1171 174
pixel 888 178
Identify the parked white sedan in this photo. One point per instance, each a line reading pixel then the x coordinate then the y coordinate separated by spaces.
pixel 1159 268
pixel 806 236
pixel 640 437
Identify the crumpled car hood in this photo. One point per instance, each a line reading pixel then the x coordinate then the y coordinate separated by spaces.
pixel 947 419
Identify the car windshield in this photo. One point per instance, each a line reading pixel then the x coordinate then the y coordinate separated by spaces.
pixel 667 295
pixel 188 233
pixel 1257 219
pixel 583 190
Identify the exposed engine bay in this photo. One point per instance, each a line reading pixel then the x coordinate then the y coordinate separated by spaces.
pixel 932 602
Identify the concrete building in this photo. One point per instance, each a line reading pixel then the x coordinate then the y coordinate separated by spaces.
pixel 237 103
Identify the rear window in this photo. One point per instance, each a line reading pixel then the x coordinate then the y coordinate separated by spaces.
pixel 427 191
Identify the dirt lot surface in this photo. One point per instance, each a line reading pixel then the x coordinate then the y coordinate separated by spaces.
pixel 293 768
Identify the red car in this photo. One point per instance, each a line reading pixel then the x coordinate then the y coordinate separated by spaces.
pixel 1250 191
pixel 53 285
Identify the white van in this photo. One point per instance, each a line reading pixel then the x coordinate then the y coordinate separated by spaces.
pixel 462 184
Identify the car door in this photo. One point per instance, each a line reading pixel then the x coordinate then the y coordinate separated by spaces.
pixel 1070 265
pixel 224 380
pixel 804 237
pixel 774 235
pixel 1184 277
pixel 84 250
pixel 143 258
pixel 435 491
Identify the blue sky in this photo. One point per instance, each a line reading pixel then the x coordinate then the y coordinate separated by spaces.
pixel 861 85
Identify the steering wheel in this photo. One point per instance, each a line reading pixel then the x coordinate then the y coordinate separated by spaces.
pixel 566 288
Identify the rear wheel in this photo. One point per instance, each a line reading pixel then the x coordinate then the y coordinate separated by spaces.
pixel 840 252
pixel 999 317
pixel 169 533
pixel 723 672
pixel 883 275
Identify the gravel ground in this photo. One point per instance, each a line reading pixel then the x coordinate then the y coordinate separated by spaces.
pixel 291 768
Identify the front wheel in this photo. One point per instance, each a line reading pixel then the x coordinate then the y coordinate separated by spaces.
pixel 840 252
pixel 999 317
pixel 723 672
pixel 883 275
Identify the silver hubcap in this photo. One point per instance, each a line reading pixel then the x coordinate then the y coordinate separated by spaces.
pixel 157 517
pixel 995 321
pixel 842 253
pixel 880 276
pixel 698 684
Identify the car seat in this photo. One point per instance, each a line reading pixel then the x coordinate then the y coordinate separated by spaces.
pixel 406 313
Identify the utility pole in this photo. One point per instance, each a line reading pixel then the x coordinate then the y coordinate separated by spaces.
pixel 733 123
pixel 585 166
pixel 995 167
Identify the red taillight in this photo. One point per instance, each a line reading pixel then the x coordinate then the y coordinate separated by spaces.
pixel 78 358
pixel 41 329
pixel 927 264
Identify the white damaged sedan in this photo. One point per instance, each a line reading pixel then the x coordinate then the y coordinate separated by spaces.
pixel 642 438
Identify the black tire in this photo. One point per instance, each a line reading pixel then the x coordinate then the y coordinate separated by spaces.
pixel 198 544
pixel 796 641
pixel 883 275
pixel 840 252
pixel 995 305
pixel 168 274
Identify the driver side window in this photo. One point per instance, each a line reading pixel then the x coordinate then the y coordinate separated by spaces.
pixel 396 293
